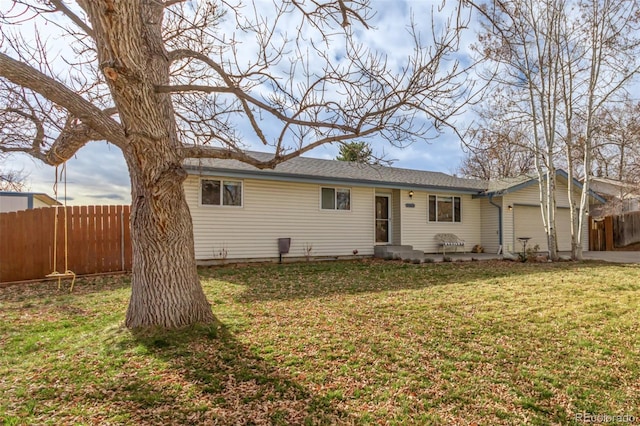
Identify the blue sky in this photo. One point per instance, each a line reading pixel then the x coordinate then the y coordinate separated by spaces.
pixel 98 174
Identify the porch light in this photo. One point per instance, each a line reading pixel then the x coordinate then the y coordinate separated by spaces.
pixel 410 194
pixel 510 207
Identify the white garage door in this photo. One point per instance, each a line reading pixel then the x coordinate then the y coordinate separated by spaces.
pixel 527 222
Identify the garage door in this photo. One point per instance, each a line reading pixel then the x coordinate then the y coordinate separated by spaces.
pixel 527 222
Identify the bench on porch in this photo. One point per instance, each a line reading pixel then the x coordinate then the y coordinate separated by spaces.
pixel 449 240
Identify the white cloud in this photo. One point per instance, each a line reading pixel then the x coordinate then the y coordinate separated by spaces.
pixel 98 173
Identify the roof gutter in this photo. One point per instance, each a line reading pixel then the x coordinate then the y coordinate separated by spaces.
pixel 499 219
pixel 290 177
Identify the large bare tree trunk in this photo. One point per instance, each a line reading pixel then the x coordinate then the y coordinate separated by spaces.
pixel 166 291
pixel 180 89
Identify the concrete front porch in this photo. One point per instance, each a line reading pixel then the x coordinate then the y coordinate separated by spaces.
pixel 397 252
pixel 407 253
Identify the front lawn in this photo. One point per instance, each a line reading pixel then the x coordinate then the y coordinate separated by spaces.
pixel 362 342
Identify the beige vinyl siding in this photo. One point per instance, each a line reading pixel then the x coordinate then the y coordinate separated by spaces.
pixel 38 203
pixel 396 217
pixel 419 232
pixel 490 239
pixel 530 197
pixel 274 209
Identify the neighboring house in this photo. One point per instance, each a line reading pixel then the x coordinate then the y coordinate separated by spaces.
pixel 14 201
pixel 621 197
pixel 333 208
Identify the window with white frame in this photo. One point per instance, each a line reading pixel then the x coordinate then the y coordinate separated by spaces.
pixel 335 198
pixel 445 208
pixel 221 192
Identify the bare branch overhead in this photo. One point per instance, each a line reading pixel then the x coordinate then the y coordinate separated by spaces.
pixel 167 80
pixel 25 76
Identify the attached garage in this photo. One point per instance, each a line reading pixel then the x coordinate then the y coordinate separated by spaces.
pixel 518 199
pixel 527 222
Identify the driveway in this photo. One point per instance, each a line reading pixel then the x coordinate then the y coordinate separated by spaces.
pixel 613 256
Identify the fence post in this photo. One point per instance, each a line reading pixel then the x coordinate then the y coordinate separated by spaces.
pixel 122 266
pixel 608 233
pixel 27 245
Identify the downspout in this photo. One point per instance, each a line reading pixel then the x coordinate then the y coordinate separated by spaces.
pixel 499 221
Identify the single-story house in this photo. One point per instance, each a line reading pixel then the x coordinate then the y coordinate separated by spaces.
pixel 621 197
pixel 15 201
pixel 333 208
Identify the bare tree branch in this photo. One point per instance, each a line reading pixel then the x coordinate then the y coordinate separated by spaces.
pixel 198 151
pixel 169 3
pixel 11 180
pixel 264 106
pixel 61 7
pixel 87 113
pixel 211 79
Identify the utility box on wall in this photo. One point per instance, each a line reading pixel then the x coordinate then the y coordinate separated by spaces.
pixel 283 246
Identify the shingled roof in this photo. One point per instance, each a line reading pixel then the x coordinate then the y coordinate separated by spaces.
pixel 503 186
pixel 314 169
pixel 506 184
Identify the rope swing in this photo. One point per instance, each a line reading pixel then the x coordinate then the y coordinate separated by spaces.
pixel 67 273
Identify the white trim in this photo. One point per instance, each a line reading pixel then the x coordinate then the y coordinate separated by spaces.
pixel 335 189
pixel 326 180
pixel 453 210
pixel 221 180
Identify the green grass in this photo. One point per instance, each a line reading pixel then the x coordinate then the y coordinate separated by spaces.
pixel 334 343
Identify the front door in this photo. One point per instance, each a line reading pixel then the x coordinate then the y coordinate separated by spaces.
pixel 382 219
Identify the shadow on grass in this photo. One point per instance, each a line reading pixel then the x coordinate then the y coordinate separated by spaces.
pixel 24 292
pixel 226 383
pixel 265 282
pixel 93 370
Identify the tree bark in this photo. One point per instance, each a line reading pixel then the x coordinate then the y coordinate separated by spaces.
pixel 165 289
pixel 123 45
pixel 551 215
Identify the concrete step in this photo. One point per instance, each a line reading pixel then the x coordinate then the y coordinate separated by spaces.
pixel 382 251
pixel 397 252
pixel 416 253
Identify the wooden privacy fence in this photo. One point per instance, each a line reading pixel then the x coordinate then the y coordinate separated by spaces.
pixel 626 229
pixel 99 240
pixel 614 231
pixel 601 234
